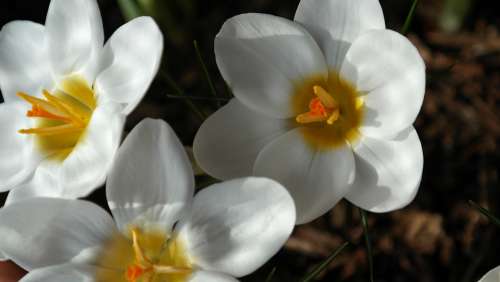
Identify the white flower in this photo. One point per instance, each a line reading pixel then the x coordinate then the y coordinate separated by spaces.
pixel 492 276
pixel 324 104
pixel 66 97
pixel 161 233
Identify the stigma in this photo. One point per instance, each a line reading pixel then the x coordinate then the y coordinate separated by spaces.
pixel 145 267
pixel 68 117
pixel 61 117
pixel 322 108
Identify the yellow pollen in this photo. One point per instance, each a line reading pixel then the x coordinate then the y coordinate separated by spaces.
pixel 322 108
pixel 61 117
pixel 148 256
pixel 328 111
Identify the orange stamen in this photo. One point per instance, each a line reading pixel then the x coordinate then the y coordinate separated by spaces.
pixel 134 272
pixel 70 119
pixel 321 108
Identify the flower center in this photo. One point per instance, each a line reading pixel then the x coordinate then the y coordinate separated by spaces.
pixel 329 112
pixel 61 117
pixel 145 257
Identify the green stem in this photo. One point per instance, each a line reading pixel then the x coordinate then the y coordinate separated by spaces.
pixel 364 222
pixel 485 212
pixel 171 82
pixel 324 264
pixel 205 70
pixel 271 274
pixel 409 18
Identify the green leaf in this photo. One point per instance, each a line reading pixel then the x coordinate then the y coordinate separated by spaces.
pixel 205 69
pixel 130 9
pixel 364 222
pixel 485 212
pixel 409 18
pixel 324 264
pixel 179 92
pixel 271 274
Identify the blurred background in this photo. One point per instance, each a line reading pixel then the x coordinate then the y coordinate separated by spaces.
pixel 439 237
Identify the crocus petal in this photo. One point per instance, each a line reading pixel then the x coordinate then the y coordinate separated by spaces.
pixel 87 166
pixel 44 183
pixel 17 157
pixel 42 232
pixel 74 37
pixel 262 56
pixel 130 61
pixel 152 177
pixel 62 273
pixel 229 141
pixel 209 276
pixel 24 63
pixel 388 68
pixel 492 275
pixel 388 173
pixel 316 179
pixel 236 226
pixel 335 24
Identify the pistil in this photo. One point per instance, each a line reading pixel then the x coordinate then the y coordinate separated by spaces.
pixel 145 267
pixel 67 117
pixel 322 108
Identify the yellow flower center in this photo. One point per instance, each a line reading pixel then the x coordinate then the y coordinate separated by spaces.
pixel 147 256
pixel 62 116
pixel 329 112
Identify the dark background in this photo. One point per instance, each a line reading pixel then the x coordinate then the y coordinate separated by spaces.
pixel 439 237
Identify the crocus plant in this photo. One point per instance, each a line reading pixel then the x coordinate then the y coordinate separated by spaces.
pixel 160 232
pixel 323 104
pixel 492 276
pixel 66 96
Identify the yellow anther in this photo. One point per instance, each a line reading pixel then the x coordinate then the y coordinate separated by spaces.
pixel 63 106
pixel 333 117
pixel 139 255
pixel 359 102
pixel 322 108
pixel 325 97
pixel 164 269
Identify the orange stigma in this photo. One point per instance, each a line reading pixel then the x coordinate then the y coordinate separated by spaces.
pixel 64 114
pixel 322 108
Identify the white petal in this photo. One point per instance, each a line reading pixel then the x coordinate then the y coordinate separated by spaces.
pixel 209 276
pixel 41 232
pixel 335 24
pixel 87 166
pixel 317 180
pixel 62 273
pixel 388 68
pixel 24 65
pixel 237 225
pixel 74 37
pixel 492 275
pixel 44 183
pixel 152 177
pixel 262 56
pixel 130 61
pixel 228 142
pixel 388 173
pixel 18 158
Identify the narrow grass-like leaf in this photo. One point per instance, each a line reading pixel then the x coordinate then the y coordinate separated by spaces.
pixel 271 274
pixel 485 212
pixel 368 243
pixel 409 18
pixel 171 82
pixel 130 9
pixel 309 277
pixel 205 70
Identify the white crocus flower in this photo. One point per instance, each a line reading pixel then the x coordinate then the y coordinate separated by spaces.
pixel 161 232
pixel 492 276
pixel 324 104
pixel 66 97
